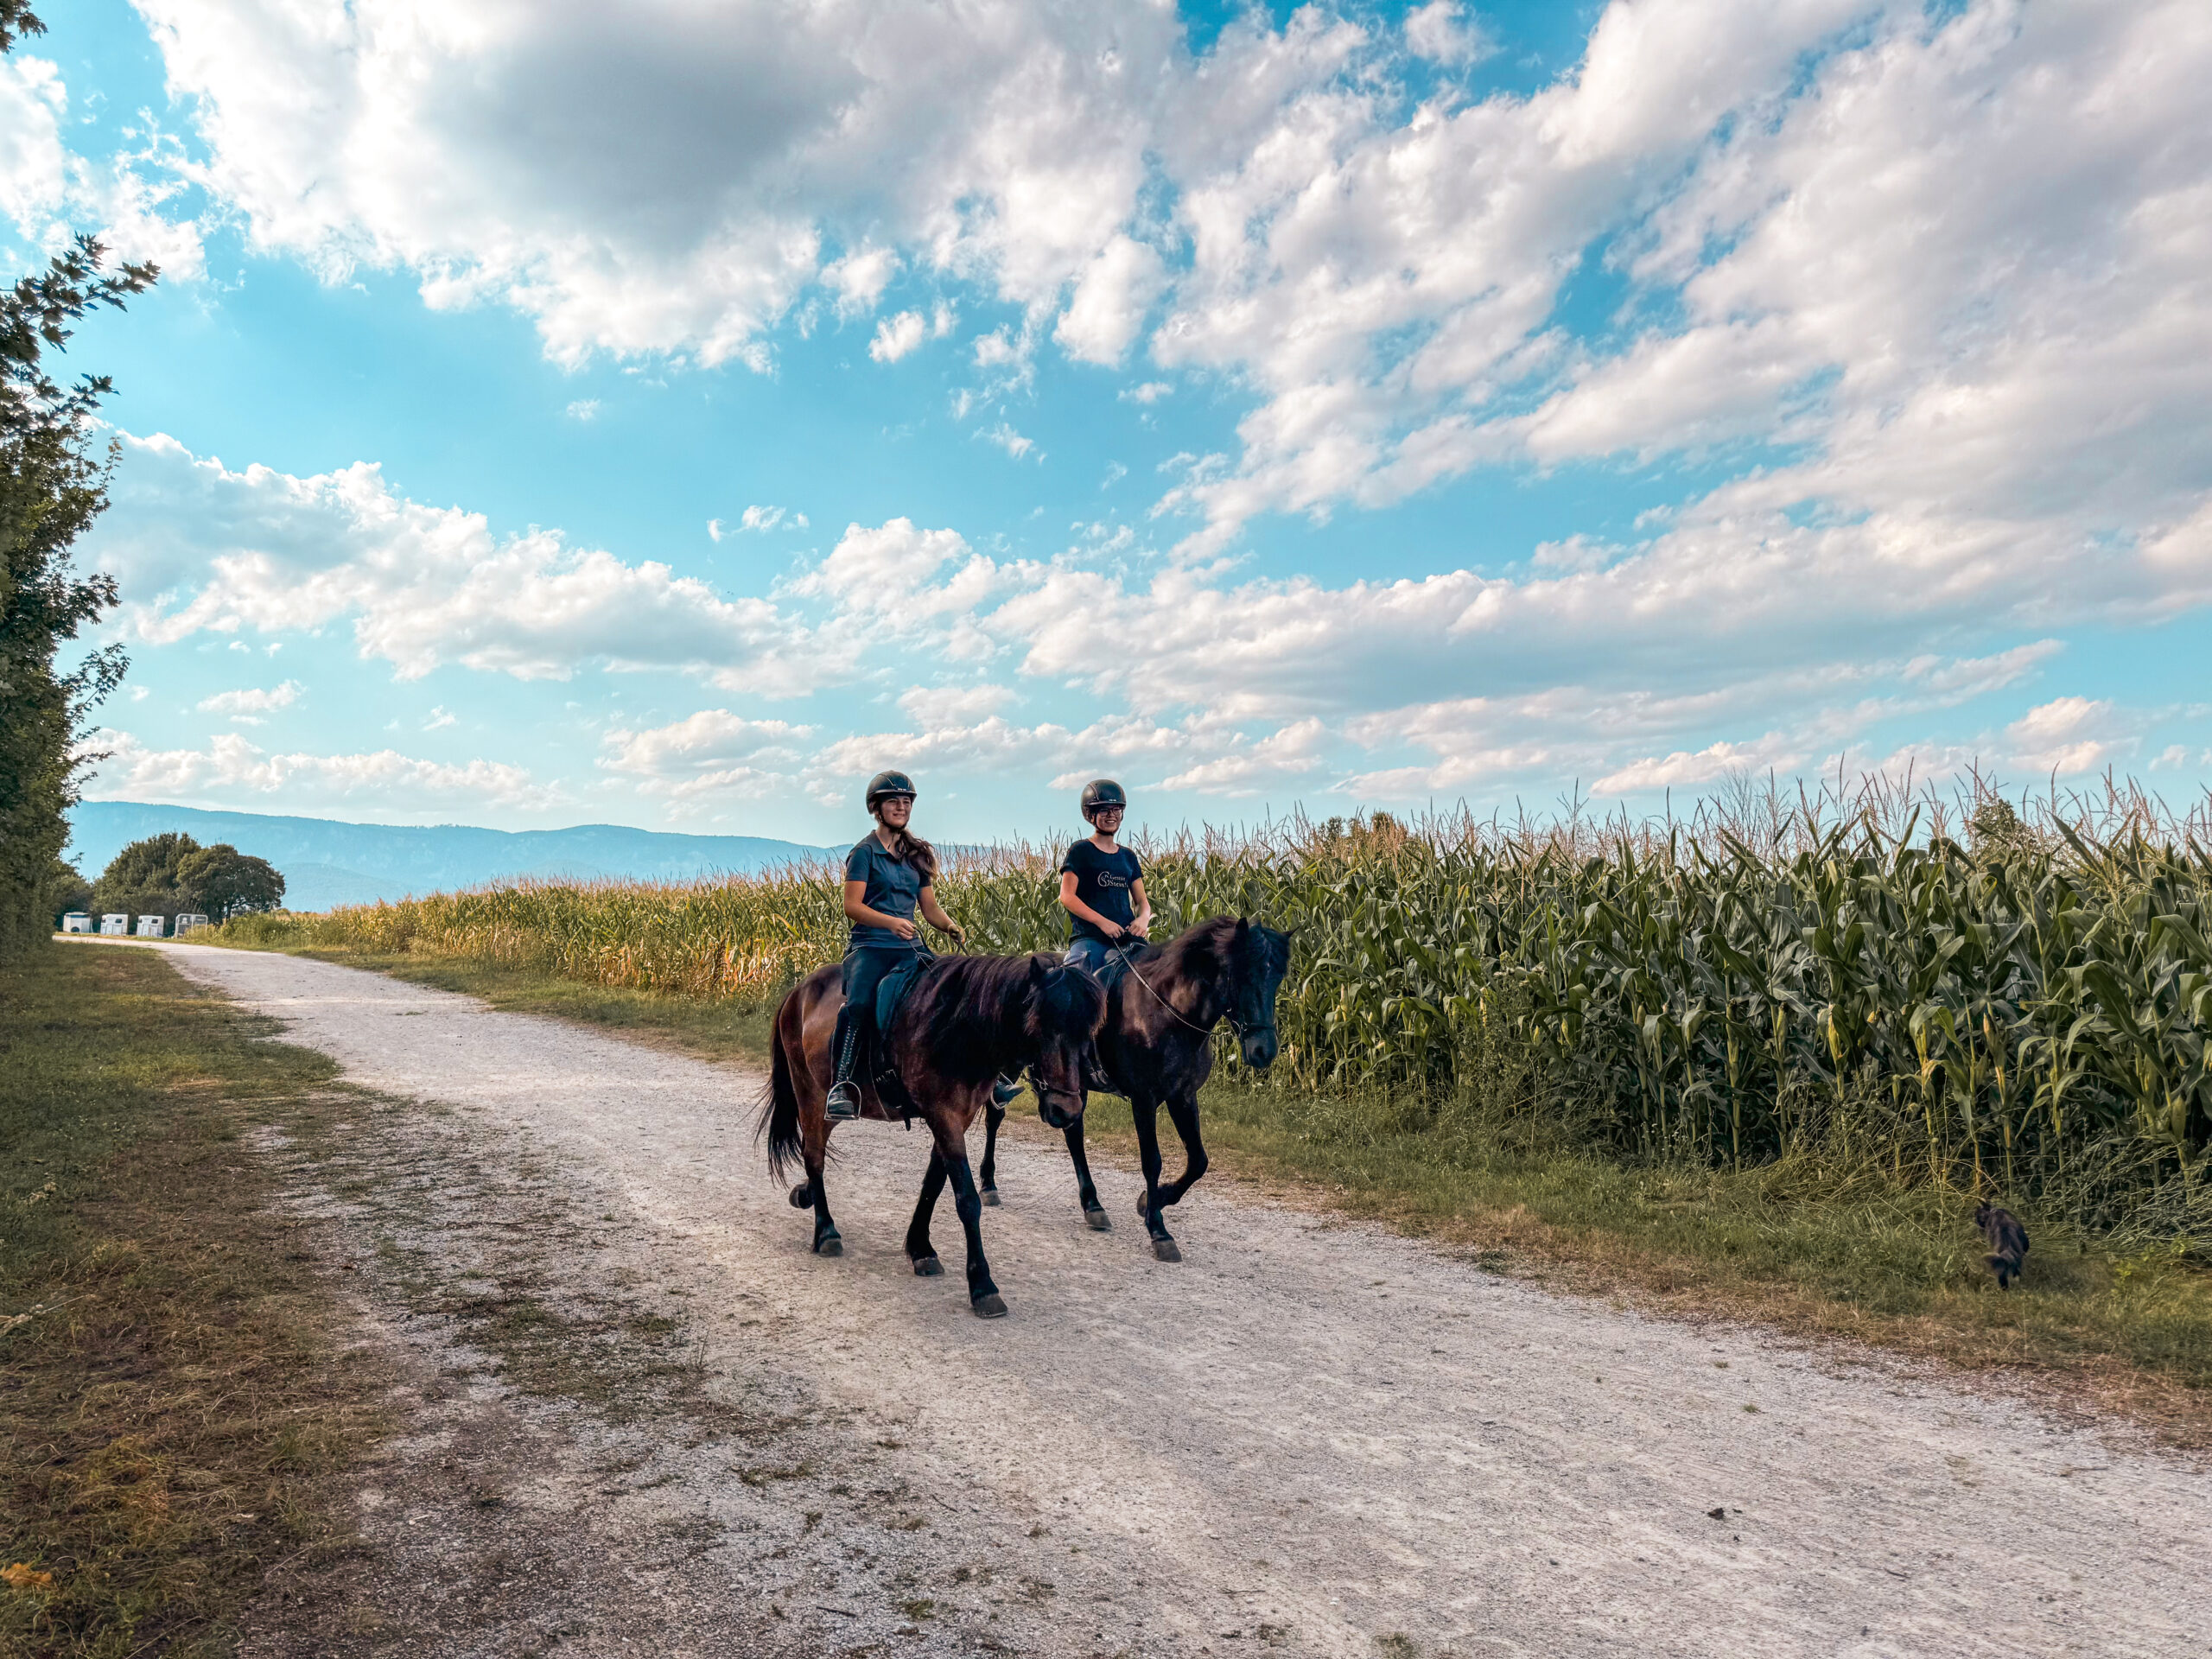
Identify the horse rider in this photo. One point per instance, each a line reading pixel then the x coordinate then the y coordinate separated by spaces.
pixel 888 875
pixel 1102 883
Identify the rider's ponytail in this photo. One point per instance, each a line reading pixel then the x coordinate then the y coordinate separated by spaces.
pixel 910 849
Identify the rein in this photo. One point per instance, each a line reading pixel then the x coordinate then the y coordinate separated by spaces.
pixel 1172 1013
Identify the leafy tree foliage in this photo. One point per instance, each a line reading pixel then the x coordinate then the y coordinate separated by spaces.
pixel 223 882
pixel 171 874
pixel 67 890
pixel 53 484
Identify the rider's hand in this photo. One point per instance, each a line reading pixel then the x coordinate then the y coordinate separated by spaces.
pixel 904 928
pixel 957 935
pixel 1116 933
pixel 1139 930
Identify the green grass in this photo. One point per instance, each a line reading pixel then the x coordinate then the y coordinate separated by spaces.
pixel 1808 1246
pixel 168 1414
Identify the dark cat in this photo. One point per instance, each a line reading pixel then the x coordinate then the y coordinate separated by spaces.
pixel 2008 1242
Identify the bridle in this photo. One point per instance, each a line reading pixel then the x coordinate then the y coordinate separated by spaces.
pixel 1046 1093
pixel 1174 1013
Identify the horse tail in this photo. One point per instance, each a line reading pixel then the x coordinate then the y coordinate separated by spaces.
pixel 779 1109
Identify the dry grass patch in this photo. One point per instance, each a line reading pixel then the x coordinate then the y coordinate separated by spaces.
pixel 169 1412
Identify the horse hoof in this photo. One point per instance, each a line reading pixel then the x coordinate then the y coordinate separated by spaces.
pixel 1099 1220
pixel 927 1267
pixel 832 1245
pixel 1166 1250
pixel 992 1306
pixel 991 1196
pixel 802 1196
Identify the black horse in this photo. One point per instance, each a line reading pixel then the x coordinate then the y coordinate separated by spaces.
pixel 1156 1046
pixel 966 1021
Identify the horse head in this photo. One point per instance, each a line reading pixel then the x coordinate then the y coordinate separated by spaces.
pixel 1259 956
pixel 1062 1010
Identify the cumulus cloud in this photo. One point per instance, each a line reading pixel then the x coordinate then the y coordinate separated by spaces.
pixel 230 766
pixel 711 753
pixel 247 705
pixel 2067 736
pixel 50 193
pixel 199 548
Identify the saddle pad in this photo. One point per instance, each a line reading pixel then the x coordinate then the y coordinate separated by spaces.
pixel 893 991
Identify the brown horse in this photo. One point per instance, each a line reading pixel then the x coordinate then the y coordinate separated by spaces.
pixel 965 1021
pixel 1156 1046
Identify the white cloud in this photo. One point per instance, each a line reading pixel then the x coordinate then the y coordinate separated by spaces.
pixel 2067 736
pixel 394 782
pixel 859 279
pixel 1110 302
pixel 1007 439
pixel 760 520
pixel 1150 391
pixel 711 753
pixel 936 706
pixel 440 718
pixel 247 705
pixel 1443 32
pixel 50 193
pixel 584 409
pixel 896 336
pixel 199 548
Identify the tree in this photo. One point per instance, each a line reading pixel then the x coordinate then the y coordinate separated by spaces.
pixel 222 883
pixel 66 890
pixel 147 876
pixel 53 474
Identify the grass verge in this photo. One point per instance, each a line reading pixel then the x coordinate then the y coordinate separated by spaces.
pixel 168 1411
pixel 1808 1248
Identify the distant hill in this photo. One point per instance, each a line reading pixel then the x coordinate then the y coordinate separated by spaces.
pixel 326 863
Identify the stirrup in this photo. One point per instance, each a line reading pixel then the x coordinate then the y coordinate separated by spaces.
pixel 844 1100
pixel 1003 1090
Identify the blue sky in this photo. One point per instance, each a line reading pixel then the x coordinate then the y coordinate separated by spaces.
pixel 541 422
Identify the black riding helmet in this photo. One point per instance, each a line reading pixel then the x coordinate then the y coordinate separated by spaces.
pixel 1103 792
pixel 889 783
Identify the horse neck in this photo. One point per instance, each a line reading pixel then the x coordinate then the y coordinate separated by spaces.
pixel 1199 956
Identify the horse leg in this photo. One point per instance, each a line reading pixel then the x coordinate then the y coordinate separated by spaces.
pixel 1086 1192
pixel 1146 1111
pixel 952 1150
pixel 994 1115
pixel 1185 1115
pixel 919 1250
pixel 827 1239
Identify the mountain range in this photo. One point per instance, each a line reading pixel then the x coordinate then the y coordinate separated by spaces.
pixel 326 863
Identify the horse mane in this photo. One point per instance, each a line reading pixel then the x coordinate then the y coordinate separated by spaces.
pixel 977 1006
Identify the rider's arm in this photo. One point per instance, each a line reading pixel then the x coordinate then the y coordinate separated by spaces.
pixel 1142 924
pixel 1076 907
pixel 934 915
pixel 857 910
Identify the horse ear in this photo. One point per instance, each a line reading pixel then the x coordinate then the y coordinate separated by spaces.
pixel 1038 972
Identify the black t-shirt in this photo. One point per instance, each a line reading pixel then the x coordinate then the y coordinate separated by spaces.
pixel 893 886
pixel 1102 881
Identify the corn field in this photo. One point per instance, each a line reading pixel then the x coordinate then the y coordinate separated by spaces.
pixel 1980 997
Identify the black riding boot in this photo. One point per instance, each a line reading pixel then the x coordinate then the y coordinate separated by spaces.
pixel 1095 1080
pixel 844 1100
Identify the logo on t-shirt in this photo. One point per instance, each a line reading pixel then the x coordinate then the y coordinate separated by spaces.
pixel 1108 879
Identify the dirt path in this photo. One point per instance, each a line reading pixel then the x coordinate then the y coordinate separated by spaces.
pixel 1307 1436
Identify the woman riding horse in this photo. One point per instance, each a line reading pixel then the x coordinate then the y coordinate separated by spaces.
pixel 964 1024
pixel 889 875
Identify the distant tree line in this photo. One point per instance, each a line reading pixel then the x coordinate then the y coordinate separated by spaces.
pixel 54 473
pixel 174 875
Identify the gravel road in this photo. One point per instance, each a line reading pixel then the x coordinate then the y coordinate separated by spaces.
pixel 1308 1436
